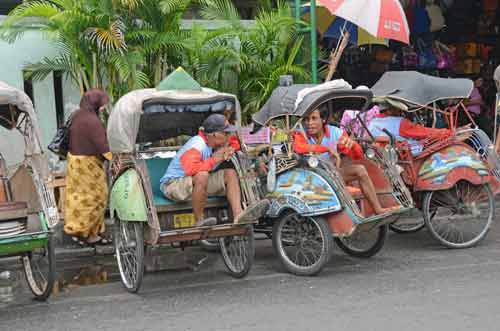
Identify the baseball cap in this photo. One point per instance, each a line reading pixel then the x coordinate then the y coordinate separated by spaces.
pixel 217 123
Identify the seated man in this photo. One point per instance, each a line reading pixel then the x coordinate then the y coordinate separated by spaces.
pixel 190 175
pixel 391 119
pixel 326 140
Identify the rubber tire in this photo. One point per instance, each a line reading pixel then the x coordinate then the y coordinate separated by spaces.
pixel 139 234
pixel 427 218
pixel 399 231
pixel 379 243
pixel 209 246
pixel 325 256
pixel 26 260
pixel 250 256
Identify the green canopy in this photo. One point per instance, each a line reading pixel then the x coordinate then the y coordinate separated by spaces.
pixel 179 80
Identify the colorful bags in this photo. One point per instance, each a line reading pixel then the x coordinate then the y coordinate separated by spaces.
pixel 426 57
pixel 409 57
pixel 471 49
pixel 384 55
pixel 490 5
pixel 436 17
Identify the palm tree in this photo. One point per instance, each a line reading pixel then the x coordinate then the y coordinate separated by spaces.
pixel 118 45
pixel 251 59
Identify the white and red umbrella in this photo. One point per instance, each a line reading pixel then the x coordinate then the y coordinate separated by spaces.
pixel 381 18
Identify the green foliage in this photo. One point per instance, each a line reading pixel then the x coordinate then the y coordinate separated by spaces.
pixel 121 45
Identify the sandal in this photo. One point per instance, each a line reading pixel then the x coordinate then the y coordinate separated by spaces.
pixel 80 241
pixel 100 242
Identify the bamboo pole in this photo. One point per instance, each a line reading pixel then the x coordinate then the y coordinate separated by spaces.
pixel 336 54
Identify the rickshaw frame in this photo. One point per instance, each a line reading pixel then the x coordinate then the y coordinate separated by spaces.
pixel 39 206
pixel 343 217
pixel 134 194
pixel 479 163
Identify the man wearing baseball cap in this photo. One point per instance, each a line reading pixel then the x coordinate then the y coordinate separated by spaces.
pixel 191 175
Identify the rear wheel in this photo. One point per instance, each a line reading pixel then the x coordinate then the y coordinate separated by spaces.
pixel 40 270
pixel 129 250
pixel 461 216
pixel 364 244
pixel 238 253
pixel 303 244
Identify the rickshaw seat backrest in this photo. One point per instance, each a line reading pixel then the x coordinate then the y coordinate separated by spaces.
pixel 156 170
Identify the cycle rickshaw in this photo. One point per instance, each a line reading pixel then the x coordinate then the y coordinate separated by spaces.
pixel 310 203
pixel 141 127
pixel 452 180
pixel 28 210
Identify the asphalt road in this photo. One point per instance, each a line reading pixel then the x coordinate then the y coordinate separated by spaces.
pixel 412 284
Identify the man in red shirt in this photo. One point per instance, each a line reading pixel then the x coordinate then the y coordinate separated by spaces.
pixel 328 141
pixel 401 128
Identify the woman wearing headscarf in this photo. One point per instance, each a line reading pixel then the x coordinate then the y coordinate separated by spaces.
pixel 86 185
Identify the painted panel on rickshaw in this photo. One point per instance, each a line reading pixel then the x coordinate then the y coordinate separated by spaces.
pixel 127 197
pixel 437 167
pixel 304 191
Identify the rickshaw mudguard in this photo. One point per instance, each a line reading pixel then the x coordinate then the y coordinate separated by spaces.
pixel 445 168
pixel 303 191
pixel 127 197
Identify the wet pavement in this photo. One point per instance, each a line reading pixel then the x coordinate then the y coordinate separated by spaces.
pixel 412 284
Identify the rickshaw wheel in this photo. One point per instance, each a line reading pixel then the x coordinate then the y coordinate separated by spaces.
pixel 461 216
pixel 40 270
pixel 129 250
pixel 364 244
pixel 238 253
pixel 304 244
pixel 210 245
pixel 408 223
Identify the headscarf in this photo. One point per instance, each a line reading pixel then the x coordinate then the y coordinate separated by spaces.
pixel 94 99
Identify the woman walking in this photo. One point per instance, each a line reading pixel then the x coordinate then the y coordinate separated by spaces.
pixel 86 185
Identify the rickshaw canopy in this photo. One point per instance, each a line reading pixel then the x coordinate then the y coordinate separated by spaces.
pixel 301 99
pixel 149 114
pixel 14 97
pixel 418 90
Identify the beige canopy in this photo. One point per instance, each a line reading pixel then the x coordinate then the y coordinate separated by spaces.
pixel 123 123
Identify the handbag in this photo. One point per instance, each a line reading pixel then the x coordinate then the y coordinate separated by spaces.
pixel 384 55
pixel 490 5
pixel 60 143
pixel 471 49
pixel 436 17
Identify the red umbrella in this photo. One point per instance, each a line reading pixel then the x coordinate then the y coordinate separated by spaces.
pixel 381 18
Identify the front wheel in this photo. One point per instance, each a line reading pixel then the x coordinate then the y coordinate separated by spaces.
pixel 40 269
pixel 303 244
pixel 129 250
pixel 210 245
pixel 364 244
pixel 238 253
pixel 461 216
pixel 409 223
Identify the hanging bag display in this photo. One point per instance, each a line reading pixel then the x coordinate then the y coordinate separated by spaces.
pixel 490 5
pixel 384 55
pixel 436 17
pixel 426 57
pixel 409 57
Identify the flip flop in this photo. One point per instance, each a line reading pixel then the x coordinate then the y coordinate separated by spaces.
pixel 100 242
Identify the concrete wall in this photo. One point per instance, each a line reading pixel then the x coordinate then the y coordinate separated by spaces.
pixel 32 47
